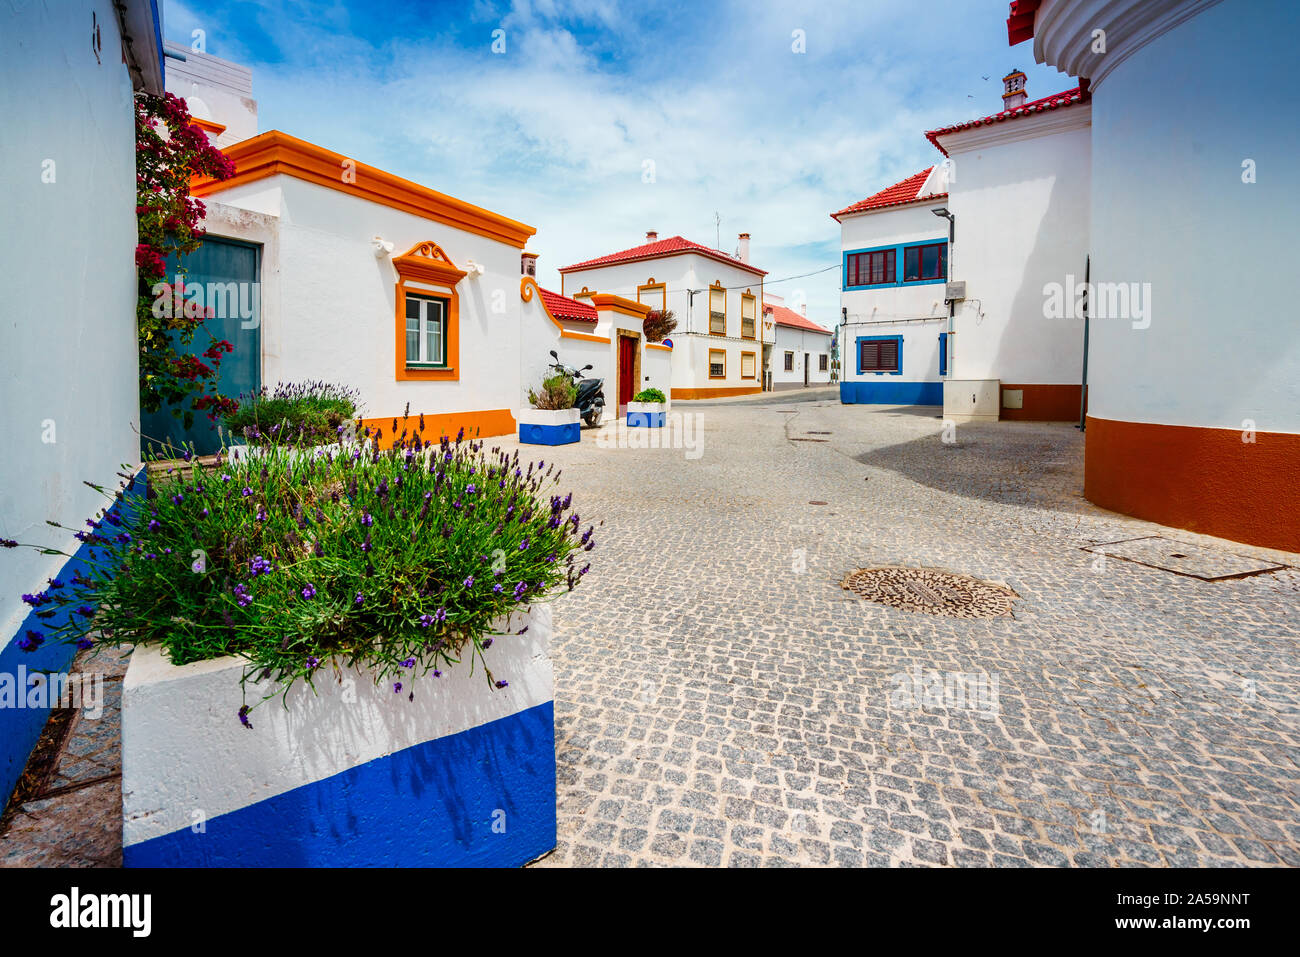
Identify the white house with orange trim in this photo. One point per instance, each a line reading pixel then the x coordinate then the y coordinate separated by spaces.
pixel 602 330
pixel 719 343
pixel 1193 404
pixel 801 349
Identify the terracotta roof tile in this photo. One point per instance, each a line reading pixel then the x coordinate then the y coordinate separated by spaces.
pixel 1054 102
pixel 791 319
pixel 905 191
pixel 663 247
pixel 562 307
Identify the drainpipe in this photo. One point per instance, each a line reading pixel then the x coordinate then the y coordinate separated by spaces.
pixel 1083 388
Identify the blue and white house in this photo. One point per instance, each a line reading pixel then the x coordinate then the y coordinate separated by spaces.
pixel 896 255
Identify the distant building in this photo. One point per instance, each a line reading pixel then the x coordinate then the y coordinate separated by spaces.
pixel 719 347
pixel 801 349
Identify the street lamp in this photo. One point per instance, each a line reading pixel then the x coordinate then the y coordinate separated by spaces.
pixel 943 213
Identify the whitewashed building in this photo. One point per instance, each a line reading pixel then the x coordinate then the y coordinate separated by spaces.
pixel 719 342
pixel 895 321
pixel 70 388
pixel 1194 400
pixel 801 349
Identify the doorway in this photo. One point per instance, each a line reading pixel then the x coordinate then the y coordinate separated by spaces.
pixel 628 370
pixel 805 370
pixel 226 271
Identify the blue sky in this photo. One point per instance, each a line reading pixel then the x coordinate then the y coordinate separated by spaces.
pixel 556 131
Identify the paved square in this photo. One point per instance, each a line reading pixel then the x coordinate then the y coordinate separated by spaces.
pixel 721 700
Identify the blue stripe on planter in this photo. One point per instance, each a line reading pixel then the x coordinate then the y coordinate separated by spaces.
pixel 645 420
pixel 532 434
pixel 432 805
pixel 20 728
pixel 891 393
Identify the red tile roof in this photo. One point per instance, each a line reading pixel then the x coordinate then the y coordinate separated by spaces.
pixel 788 317
pixel 1054 102
pixel 664 247
pixel 1020 20
pixel 562 307
pixel 906 191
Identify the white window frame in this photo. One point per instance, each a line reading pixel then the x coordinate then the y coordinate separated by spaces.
pixel 424 361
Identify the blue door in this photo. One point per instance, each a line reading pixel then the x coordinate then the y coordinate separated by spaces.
pixel 227 272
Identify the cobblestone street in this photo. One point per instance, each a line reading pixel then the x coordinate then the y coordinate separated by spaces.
pixel 721 700
pixel 715 705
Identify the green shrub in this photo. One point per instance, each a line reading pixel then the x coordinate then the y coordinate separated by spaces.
pixel 402 560
pixel 558 392
pixel 649 395
pixel 313 412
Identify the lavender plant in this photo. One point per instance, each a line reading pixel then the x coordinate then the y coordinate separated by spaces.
pixel 403 560
pixel 293 411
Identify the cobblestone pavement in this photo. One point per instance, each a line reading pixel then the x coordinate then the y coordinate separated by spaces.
pixel 720 700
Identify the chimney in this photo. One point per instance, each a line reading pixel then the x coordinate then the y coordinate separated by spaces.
pixel 744 247
pixel 803 309
pixel 1013 90
pixel 528 264
pixel 651 235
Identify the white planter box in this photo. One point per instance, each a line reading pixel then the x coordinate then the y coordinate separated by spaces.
pixel 646 414
pixel 351 775
pixel 549 426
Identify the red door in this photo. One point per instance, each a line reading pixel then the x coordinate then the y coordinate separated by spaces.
pixel 626 371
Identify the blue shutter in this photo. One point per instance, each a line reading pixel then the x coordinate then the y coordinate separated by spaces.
pixel 943 353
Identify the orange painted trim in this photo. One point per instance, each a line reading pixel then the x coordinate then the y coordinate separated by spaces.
pixel 209 126
pixel 479 424
pixel 1203 480
pixel 528 288
pixel 719 392
pixel 1044 403
pixel 717 284
pixel 275 153
pixel 724 364
pixel 658 345
pixel 426 262
pixel 624 307
pixel 651 287
pixel 754 356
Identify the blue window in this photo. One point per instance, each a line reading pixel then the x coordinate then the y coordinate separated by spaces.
pixel 903 264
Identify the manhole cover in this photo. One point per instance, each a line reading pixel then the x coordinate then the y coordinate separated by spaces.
pixel 1183 558
pixel 931 591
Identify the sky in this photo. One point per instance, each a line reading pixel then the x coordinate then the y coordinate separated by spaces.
pixel 595 121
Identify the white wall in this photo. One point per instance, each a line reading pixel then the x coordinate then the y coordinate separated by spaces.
pixel 915 312
pixel 1172 126
pixel 1022 220
pixel 800 342
pixel 215 89
pixel 67 312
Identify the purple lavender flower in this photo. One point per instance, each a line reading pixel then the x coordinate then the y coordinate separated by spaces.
pixel 312 662
pixel 178 498
pixel 440 614
pixel 426 621
pixel 359 599
pixel 523 546
pixel 309 592
pixel 153 525
pixel 243 717
pixel 397 687
pixel 85 611
pixel 496 589
pixel 503 684
pixel 85 644
pixel 366 519
pixel 31 641
pixel 246 492
pixel 468 582
pixel 408 663
pixel 487 642
pixel 521 588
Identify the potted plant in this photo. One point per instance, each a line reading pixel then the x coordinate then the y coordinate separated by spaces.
pixel 647 409
pixel 339 659
pixel 552 419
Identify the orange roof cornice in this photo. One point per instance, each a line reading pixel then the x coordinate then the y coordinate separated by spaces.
pixel 274 153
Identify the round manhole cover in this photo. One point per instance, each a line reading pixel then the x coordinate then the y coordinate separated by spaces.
pixel 931 591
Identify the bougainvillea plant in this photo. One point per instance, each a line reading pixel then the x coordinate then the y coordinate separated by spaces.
pixel 169 150
pixel 403 561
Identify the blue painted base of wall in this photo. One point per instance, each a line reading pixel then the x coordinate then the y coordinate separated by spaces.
pixel 20 728
pixel 550 434
pixel 891 393
pixel 645 420
pixel 481 798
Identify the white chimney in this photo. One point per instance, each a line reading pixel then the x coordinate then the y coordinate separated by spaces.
pixel 651 235
pixel 803 309
pixel 1013 90
pixel 744 247
pixel 528 264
